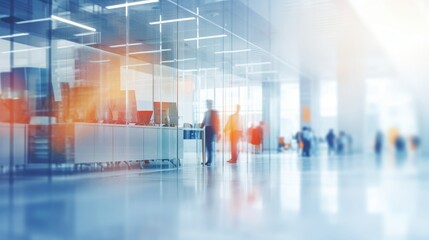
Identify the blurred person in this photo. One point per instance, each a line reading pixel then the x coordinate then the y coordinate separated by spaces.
pixel 281 145
pixel 306 138
pixel 341 143
pixel 210 125
pixel 349 139
pixel 400 147
pixel 330 140
pixel 378 146
pixel 415 143
pixel 235 128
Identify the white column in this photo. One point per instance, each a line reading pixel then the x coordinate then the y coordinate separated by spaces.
pixel 351 80
pixel 423 118
pixel 309 93
pixel 271 113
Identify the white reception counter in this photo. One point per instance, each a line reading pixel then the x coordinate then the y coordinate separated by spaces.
pixel 90 143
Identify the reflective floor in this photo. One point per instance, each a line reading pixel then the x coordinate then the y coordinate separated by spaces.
pixel 270 196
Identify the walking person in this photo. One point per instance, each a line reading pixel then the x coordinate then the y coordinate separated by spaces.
pixel 235 128
pixel 306 137
pixel 211 129
pixel 330 139
pixel 378 146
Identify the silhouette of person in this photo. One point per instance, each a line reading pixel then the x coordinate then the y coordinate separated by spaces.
pixel 235 129
pixel 330 139
pixel 400 147
pixel 211 128
pixel 378 146
pixel 341 143
pixel 306 138
pixel 415 143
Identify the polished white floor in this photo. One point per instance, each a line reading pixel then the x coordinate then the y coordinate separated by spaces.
pixel 268 196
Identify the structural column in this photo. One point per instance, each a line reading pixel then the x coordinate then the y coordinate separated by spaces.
pixel 351 95
pixel 271 113
pixel 423 119
pixel 309 94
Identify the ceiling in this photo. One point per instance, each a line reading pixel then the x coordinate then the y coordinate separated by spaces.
pixel 310 38
pixel 382 38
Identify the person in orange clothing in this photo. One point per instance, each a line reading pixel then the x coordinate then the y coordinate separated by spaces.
pixel 235 128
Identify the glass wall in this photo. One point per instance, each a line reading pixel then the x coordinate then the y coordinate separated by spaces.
pixel 99 85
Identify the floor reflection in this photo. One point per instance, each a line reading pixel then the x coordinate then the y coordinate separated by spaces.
pixel 276 197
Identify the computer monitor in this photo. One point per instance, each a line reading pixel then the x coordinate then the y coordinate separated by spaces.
pixel 164 109
pixel 143 117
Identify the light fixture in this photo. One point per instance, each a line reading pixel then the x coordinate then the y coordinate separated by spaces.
pixel 168 61
pixel 206 37
pixel 129 4
pixel 173 20
pixel 200 69
pixel 14 35
pixel 178 60
pixel 262 72
pixel 234 51
pixel 252 64
pixel 84 34
pixel 137 65
pixel 100 61
pixel 124 45
pixel 25 50
pixel 190 70
pixel 73 23
pixel 208 69
pixel 152 51
pixel 89 44
pixel 33 20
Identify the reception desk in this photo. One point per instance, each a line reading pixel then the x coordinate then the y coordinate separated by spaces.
pixel 109 142
pixel 78 143
pixel 19 144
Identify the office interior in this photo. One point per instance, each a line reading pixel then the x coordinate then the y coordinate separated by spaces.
pixel 111 94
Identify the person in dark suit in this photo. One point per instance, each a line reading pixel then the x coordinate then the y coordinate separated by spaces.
pixel 211 128
pixel 330 139
pixel 378 146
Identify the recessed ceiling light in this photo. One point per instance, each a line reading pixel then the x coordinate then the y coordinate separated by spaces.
pixel 151 51
pixel 234 51
pixel 173 20
pixel 73 23
pixel 206 37
pixel 14 35
pixel 130 4
pixel 124 45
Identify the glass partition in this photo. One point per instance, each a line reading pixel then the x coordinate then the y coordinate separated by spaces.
pixel 114 85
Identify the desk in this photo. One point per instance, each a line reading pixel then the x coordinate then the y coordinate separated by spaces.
pixel 109 142
pixel 97 143
pixel 78 143
pixel 19 144
pixel 196 134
